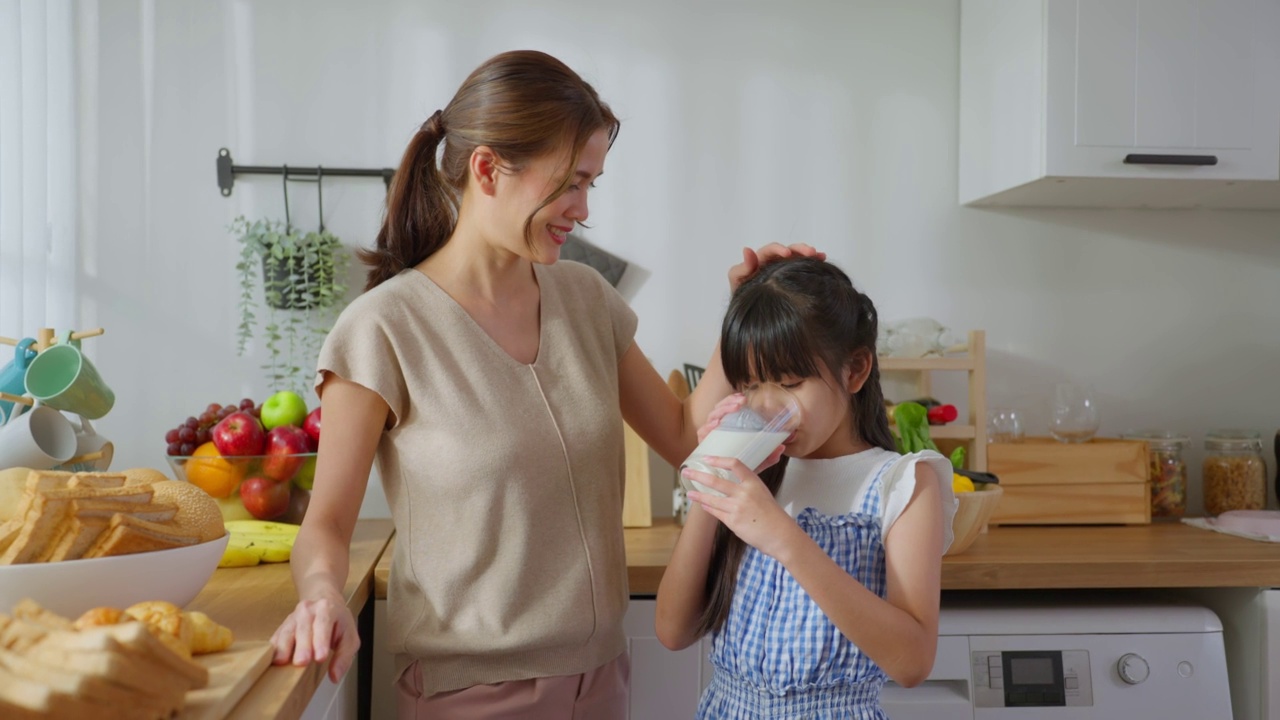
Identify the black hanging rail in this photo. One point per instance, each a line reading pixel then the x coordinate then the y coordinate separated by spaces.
pixel 227 172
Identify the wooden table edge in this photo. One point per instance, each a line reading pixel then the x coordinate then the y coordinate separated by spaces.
pixel 284 691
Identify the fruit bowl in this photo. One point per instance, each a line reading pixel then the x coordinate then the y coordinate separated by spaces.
pixel 71 587
pixel 973 510
pixel 265 487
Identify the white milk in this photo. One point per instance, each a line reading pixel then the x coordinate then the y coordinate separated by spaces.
pixel 749 446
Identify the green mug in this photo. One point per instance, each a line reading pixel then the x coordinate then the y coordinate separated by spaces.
pixel 64 379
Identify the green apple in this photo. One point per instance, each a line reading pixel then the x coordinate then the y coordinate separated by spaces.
pixel 233 509
pixel 284 408
pixel 305 478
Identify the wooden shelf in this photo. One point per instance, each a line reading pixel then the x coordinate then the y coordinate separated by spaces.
pixel 972 430
pixel 952 432
pixel 893 364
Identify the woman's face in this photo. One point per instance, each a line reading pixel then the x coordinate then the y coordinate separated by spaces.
pixel 528 188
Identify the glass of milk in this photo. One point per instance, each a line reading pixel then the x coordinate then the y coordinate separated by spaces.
pixel 751 434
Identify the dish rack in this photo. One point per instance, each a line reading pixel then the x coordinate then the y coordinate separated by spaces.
pixel 969 358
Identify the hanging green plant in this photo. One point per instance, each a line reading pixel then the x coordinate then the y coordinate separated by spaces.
pixel 302 292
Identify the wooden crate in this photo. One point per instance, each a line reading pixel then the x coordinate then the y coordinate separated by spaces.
pixel 1101 482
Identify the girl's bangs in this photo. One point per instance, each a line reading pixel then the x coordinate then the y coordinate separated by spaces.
pixel 764 339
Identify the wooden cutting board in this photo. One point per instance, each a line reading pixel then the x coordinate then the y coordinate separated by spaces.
pixel 231 673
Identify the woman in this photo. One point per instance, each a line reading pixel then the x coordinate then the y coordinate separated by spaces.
pixel 490 384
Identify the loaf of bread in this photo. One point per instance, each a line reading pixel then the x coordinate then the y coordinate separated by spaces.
pixel 67 516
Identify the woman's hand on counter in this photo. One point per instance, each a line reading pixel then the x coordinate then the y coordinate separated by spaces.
pixel 318 630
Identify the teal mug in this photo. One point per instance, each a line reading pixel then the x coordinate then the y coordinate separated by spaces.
pixel 13 377
pixel 62 378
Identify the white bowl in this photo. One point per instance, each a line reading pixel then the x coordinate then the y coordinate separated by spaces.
pixel 71 587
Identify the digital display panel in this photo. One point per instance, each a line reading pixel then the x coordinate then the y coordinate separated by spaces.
pixel 1032 671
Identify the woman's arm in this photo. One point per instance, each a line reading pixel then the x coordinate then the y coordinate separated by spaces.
pixel 899 632
pixel 354 417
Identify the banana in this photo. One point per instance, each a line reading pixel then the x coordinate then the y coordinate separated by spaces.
pixel 261 526
pixel 265 548
pixel 238 557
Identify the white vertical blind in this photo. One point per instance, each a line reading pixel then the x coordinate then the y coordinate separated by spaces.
pixel 37 166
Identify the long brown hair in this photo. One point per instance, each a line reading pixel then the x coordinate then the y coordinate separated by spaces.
pixel 783 321
pixel 523 104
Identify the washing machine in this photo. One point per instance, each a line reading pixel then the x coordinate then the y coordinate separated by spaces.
pixel 1045 660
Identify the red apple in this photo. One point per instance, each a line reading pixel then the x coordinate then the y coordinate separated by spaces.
pixel 299 499
pixel 264 498
pixel 285 446
pixel 312 425
pixel 239 434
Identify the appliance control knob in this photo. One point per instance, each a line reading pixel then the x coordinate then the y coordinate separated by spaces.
pixel 1133 668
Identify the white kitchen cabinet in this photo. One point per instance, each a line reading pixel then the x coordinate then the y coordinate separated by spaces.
pixel 664 684
pixel 1161 103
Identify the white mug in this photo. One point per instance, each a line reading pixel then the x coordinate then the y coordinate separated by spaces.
pixel 89 442
pixel 41 439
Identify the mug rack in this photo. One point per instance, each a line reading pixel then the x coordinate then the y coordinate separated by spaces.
pixel 46 338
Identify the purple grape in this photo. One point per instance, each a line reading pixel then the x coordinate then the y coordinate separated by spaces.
pixel 171 436
pixel 174 449
pixel 187 448
pixel 192 423
pixel 246 404
pixel 256 412
pixel 202 437
pixel 187 435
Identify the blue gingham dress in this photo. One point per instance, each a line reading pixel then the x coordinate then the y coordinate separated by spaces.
pixel 777 655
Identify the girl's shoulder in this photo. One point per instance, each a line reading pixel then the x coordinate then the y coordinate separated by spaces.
pixel 833 486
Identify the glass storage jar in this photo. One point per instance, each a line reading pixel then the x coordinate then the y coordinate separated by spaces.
pixel 1166 470
pixel 1235 475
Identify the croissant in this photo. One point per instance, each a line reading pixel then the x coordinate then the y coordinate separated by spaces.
pixel 165 621
pixel 207 636
pixel 100 616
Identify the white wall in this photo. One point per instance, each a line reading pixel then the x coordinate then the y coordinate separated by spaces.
pixel 743 123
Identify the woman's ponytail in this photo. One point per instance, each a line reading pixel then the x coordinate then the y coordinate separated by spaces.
pixel 421 208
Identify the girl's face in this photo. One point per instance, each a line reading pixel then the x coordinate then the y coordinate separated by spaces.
pixel 527 189
pixel 826 420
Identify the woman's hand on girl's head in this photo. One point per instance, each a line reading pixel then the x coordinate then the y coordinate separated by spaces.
pixel 316 631
pixel 747 508
pixel 753 259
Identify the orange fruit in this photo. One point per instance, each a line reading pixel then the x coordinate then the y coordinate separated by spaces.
pixel 212 473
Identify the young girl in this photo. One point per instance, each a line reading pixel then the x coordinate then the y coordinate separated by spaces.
pixel 819 588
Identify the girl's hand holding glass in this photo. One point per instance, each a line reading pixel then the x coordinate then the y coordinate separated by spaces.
pixel 752 427
pixel 747 507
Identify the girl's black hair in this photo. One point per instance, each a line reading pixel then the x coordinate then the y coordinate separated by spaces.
pixel 791 315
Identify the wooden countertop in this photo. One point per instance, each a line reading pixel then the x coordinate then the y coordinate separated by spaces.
pixel 1160 555
pixel 253 601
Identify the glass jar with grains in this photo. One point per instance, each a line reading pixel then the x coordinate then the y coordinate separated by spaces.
pixel 1235 475
pixel 1166 470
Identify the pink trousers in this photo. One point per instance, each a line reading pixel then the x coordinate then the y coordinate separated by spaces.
pixel 600 694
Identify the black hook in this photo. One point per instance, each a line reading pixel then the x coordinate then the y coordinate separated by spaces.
pixel 288 228
pixel 320 194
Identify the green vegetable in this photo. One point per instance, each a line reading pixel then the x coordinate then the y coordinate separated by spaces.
pixel 912 420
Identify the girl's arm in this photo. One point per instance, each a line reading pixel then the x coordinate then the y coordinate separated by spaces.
pixel 682 596
pixel 900 632
pixel 321 625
